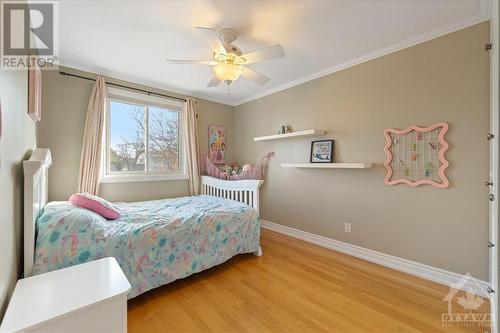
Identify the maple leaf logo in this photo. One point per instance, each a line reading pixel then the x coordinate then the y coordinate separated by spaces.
pixel 470 301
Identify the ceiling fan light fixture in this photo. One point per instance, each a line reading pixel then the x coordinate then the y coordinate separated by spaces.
pixel 228 60
pixel 227 72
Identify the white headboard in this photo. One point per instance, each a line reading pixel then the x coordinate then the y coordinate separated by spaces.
pixel 35 197
pixel 245 191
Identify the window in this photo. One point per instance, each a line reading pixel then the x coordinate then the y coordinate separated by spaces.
pixel 143 138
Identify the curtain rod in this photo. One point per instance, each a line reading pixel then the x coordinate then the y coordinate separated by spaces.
pixel 126 87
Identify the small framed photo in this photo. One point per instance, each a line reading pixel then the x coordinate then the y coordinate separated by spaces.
pixel 322 151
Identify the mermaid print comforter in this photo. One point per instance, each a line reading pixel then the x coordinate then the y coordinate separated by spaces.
pixel 155 242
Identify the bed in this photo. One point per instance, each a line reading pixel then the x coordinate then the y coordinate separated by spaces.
pixel 155 242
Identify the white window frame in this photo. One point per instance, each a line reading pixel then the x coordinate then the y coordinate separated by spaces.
pixel 122 95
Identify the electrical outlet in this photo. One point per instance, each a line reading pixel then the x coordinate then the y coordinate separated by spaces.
pixel 347 228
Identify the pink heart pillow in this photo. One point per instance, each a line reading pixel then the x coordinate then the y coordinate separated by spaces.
pixel 96 204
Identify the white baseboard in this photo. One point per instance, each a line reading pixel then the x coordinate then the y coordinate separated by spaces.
pixel 414 268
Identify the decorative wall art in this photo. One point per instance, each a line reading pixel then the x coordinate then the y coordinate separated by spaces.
pixel 217 144
pixel 415 156
pixel 35 93
pixel 322 151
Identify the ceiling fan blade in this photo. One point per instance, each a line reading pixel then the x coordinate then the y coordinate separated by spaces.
pixel 192 62
pixel 254 76
pixel 212 38
pixel 213 83
pixel 268 53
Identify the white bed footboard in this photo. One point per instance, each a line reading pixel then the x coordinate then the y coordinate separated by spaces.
pixel 245 191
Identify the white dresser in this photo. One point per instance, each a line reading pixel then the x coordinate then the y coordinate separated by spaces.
pixel 90 297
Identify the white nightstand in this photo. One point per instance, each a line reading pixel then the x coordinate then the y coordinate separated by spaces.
pixel 90 297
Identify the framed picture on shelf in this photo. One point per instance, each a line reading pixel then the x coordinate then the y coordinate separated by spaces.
pixel 322 151
pixel 217 144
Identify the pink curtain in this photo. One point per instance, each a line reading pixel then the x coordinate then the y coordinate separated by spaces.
pixel 90 162
pixel 191 143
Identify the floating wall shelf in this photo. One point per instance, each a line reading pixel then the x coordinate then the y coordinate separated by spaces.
pixel 311 132
pixel 360 165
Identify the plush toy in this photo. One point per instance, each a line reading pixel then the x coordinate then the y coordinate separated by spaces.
pixel 247 168
pixel 236 169
pixel 231 169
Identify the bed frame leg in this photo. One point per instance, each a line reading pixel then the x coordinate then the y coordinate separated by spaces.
pixel 258 253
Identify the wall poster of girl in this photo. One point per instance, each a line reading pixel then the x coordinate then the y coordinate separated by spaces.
pixel 217 144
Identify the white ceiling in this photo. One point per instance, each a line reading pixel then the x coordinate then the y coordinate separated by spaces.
pixel 131 39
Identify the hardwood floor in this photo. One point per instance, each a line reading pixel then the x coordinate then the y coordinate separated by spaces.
pixel 295 287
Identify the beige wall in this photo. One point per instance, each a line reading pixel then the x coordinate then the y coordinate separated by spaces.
pixel 17 139
pixel 64 104
pixel 445 79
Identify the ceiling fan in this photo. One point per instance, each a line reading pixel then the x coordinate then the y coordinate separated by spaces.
pixel 228 62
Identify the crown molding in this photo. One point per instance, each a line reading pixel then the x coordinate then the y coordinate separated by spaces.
pixel 134 80
pixel 484 16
